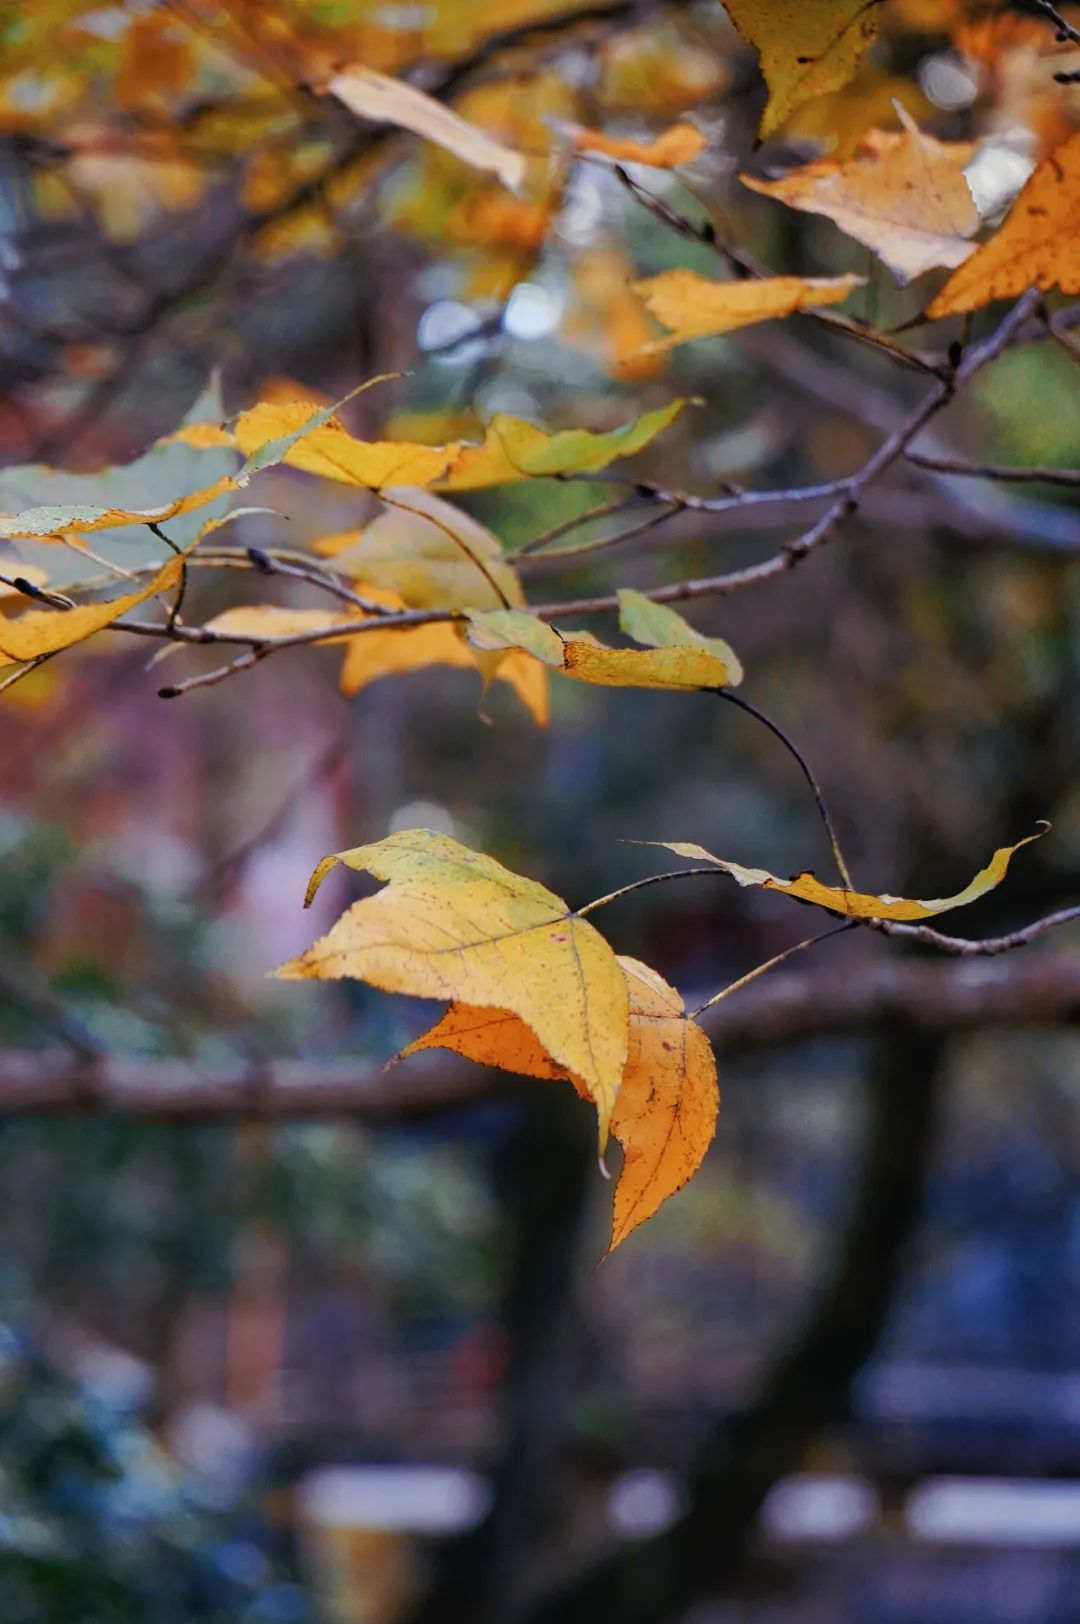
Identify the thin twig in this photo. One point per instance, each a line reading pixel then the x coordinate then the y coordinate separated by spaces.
pixel 770 964
pixel 965 948
pixel 805 769
pixel 996 471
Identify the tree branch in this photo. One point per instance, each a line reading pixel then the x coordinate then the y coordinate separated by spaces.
pixel 1038 990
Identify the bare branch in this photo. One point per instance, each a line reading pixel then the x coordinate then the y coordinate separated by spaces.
pixel 1041 990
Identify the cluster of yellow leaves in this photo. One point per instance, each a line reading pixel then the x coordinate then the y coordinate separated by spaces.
pixel 534 989
pixel 421 553
pixel 512 450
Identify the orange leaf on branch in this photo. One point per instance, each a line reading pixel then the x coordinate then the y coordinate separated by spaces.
pixel 665 1111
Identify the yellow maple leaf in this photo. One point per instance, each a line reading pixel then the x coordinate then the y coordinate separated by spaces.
pixel 454 924
pixel 1037 246
pixel 665 1113
pixel 904 195
pixel 679 144
pixel 694 306
pixel 857 904
pixel 806 47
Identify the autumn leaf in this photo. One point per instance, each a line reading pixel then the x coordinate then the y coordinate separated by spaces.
pixel 48 631
pixel 454 924
pixel 666 1108
pixel 310 438
pixel 374 95
pixel 679 144
pixel 857 904
pixel 53 523
pixel 374 654
pixel 514 449
pixel 388 653
pixel 679 658
pixel 1037 246
pixel 430 552
pixel 657 625
pixel 806 47
pixel 277 620
pixel 904 195
pixel 694 306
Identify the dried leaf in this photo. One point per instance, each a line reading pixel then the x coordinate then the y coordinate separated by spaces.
pixel 857 904
pixel 694 306
pixel 1037 246
pixel 679 144
pixel 430 552
pixel 806 47
pixel 514 449
pixel 455 924
pixel 374 95
pixel 665 1112
pixel 691 663
pixel 47 631
pixel 904 195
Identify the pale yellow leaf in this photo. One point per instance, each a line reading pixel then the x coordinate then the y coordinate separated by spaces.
pixel 374 95
pixel 904 195
pixel 377 654
pixel 430 552
pixel 454 924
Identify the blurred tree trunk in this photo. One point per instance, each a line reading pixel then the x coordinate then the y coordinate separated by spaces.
pixel 542 1180
pixel 808 1387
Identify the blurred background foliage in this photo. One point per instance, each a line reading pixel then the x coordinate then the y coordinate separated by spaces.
pixel 201 1317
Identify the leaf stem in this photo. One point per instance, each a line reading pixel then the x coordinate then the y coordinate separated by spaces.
pixel 638 885
pixel 778 958
pixel 804 767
